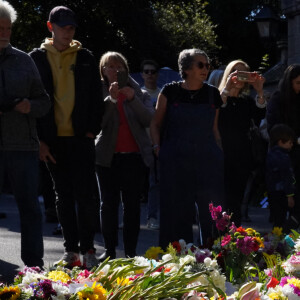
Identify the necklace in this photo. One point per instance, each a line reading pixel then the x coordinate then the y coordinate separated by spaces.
pixel 192 94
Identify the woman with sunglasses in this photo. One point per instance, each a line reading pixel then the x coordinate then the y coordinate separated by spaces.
pixel 234 125
pixel 123 149
pixel 184 133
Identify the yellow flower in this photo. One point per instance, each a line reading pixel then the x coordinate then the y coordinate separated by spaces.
pixel 96 292
pixel 59 275
pixel 153 252
pixel 122 281
pixel 260 242
pixel 294 281
pixel 10 293
pixel 277 231
pixel 251 231
pixel 277 296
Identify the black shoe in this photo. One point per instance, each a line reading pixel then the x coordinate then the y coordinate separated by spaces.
pixel 106 254
pixel 2 215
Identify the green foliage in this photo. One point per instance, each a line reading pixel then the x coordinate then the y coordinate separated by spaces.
pixel 186 23
pixel 265 64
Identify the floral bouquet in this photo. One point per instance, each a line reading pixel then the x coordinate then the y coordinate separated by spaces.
pixel 237 249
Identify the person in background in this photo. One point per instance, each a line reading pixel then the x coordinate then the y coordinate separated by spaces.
pixel 149 69
pixel 284 108
pixel 234 125
pixel 123 150
pixel 71 77
pixel 22 101
pixel 279 173
pixel 185 134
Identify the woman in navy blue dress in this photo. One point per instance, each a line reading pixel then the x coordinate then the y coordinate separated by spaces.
pixel 185 134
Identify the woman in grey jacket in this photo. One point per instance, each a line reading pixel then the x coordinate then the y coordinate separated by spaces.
pixel 123 149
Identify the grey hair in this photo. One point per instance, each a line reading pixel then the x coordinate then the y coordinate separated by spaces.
pixel 7 11
pixel 186 59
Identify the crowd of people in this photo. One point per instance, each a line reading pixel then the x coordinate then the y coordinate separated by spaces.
pixel 90 127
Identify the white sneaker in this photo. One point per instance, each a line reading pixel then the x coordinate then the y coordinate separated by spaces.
pixel 69 260
pixel 90 260
pixel 153 224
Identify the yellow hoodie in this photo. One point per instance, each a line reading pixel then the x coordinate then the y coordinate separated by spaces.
pixel 62 66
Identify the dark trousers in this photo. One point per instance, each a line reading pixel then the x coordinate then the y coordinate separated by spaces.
pixel 22 170
pixel 278 207
pixel 123 179
pixel 236 176
pixel 74 178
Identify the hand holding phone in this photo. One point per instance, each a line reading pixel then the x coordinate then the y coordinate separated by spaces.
pixel 122 78
pixel 246 76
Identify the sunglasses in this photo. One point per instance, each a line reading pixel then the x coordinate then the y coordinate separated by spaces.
pixel 150 72
pixel 201 65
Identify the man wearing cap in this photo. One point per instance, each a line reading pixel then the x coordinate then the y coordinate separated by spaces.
pixel 71 77
pixel 22 100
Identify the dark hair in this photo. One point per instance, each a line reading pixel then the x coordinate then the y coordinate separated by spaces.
pixel 288 95
pixel 149 62
pixel 281 132
pixel 186 59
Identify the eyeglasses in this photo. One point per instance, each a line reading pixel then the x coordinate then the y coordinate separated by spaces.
pixel 201 65
pixel 152 72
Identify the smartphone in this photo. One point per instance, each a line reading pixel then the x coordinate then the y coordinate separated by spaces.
pixel 122 78
pixel 246 76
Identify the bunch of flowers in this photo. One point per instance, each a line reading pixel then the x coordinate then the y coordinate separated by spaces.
pixel 174 276
pixel 237 249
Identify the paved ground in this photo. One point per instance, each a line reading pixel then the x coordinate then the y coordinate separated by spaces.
pixel 11 263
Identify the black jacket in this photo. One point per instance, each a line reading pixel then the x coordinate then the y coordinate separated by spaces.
pixel 88 108
pixel 279 171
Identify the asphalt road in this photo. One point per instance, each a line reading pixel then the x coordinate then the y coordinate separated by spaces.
pixel 11 263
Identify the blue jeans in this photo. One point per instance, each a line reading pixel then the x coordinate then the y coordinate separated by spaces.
pixel 22 170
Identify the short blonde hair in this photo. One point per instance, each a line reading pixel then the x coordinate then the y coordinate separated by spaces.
pixel 229 69
pixel 7 11
pixel 108 56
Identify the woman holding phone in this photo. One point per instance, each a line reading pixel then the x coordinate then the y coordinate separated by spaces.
pixel 185 135
pixel 123 149
pixel 234 125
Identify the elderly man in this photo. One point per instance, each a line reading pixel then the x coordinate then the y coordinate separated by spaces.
pixel 22 100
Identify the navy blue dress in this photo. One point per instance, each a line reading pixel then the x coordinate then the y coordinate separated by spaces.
pixel 191 163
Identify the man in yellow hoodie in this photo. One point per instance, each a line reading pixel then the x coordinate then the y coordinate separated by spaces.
pixel 71 77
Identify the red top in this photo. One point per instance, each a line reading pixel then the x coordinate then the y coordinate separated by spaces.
pixel 125 140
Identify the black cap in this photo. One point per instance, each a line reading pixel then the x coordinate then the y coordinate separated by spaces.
pixel 62 16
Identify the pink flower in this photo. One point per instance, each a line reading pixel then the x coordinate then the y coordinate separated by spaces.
pixel 246 245
pixel 226 240
pixel 222 219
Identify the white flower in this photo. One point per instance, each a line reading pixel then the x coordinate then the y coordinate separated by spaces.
pixel 141 261
pixel 105 269
pixel 297 245
pixel 32 277
pixel 167 257
pixel 289 292
pixel 207 261
pixel 188 259
pixel 28 292
pixel 61 291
